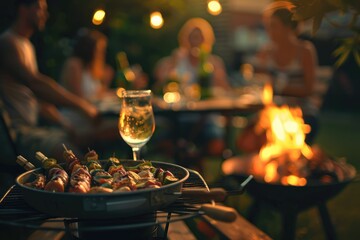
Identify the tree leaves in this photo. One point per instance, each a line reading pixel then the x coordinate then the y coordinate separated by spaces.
pixel 317 11
pixel 349 45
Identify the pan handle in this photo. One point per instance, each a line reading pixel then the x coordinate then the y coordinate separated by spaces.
pixel 202 194
pixel 220 213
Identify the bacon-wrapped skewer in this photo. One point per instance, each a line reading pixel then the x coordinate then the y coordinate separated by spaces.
pixel 70 159
pixel 80 178
pixel 56 175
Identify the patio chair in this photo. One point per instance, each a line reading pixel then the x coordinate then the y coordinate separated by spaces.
pixel 8 167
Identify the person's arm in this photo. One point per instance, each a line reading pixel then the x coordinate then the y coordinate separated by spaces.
pixel 162 72
pixel 220 77
pixel 71 76
pixel 51 114
pixel 108 76
pixel 309 64
pixel 43 86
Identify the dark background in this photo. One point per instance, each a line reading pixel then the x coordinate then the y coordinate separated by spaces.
pixel 127 27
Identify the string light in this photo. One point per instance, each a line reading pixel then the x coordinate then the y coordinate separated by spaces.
pixel 156 20
pixel 214 7
pixel 98 17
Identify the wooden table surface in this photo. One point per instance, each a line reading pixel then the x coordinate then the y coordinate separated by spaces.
pixel 240 229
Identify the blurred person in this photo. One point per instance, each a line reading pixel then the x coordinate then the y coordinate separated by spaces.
pixel 27 93
pixel 86 74
pixel 196 38
pixel 291 63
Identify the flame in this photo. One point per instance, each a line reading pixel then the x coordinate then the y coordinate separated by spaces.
pixel 271 172
pixel 293 180
pixel 285 147
pixel 267 96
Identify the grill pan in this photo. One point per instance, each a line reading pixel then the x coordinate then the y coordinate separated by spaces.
pixel 104 205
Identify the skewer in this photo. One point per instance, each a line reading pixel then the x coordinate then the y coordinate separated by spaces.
pixel 65 148
pixel 23 162
pixel 40 156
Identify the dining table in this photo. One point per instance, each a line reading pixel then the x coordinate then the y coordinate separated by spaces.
pixel 237 102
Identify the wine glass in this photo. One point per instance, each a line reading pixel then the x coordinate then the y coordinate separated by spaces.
pixel 136 121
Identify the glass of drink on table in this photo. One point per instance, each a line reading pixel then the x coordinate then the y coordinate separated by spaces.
pixel 136 120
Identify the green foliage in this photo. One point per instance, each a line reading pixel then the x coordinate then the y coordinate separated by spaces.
pixel 349 45
pixel 317 10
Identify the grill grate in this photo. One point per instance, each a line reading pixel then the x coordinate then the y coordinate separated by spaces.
pixel 14 208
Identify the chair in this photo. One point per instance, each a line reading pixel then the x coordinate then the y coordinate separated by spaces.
pixel 8 167
pixel 7 135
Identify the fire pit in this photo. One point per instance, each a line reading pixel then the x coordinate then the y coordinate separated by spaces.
pixel 289 200
pixel 289 174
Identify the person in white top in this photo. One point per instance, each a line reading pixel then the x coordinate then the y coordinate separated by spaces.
pixel 86 74
pixel 26 92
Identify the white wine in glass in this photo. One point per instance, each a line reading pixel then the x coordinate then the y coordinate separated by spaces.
pixel 136 121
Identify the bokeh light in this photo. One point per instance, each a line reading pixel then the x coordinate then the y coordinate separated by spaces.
pixel 156 20
pixel 98 17
pixel 214 7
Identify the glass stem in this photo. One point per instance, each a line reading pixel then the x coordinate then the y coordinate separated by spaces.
pixel 136 153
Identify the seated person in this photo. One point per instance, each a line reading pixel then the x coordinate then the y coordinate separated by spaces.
pixel 196 39
pixel 86 74
pixel 23 88
pixel 291 63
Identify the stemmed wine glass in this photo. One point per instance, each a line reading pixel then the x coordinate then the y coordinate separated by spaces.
pixel 136 121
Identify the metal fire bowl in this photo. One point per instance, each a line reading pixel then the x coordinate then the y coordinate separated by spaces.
pixel 301 196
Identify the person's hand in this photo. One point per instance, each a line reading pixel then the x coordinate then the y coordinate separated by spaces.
pixel 89 110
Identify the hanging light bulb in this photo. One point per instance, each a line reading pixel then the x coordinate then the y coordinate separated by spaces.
pixel 156 20
pixel 214 7
pixel 98 17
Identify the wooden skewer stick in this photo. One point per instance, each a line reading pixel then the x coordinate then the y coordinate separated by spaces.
pixel 65 147
pixel 23 162
pixel 40 156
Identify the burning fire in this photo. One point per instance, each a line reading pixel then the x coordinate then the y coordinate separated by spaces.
pixel 281 153
pixel 284 156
